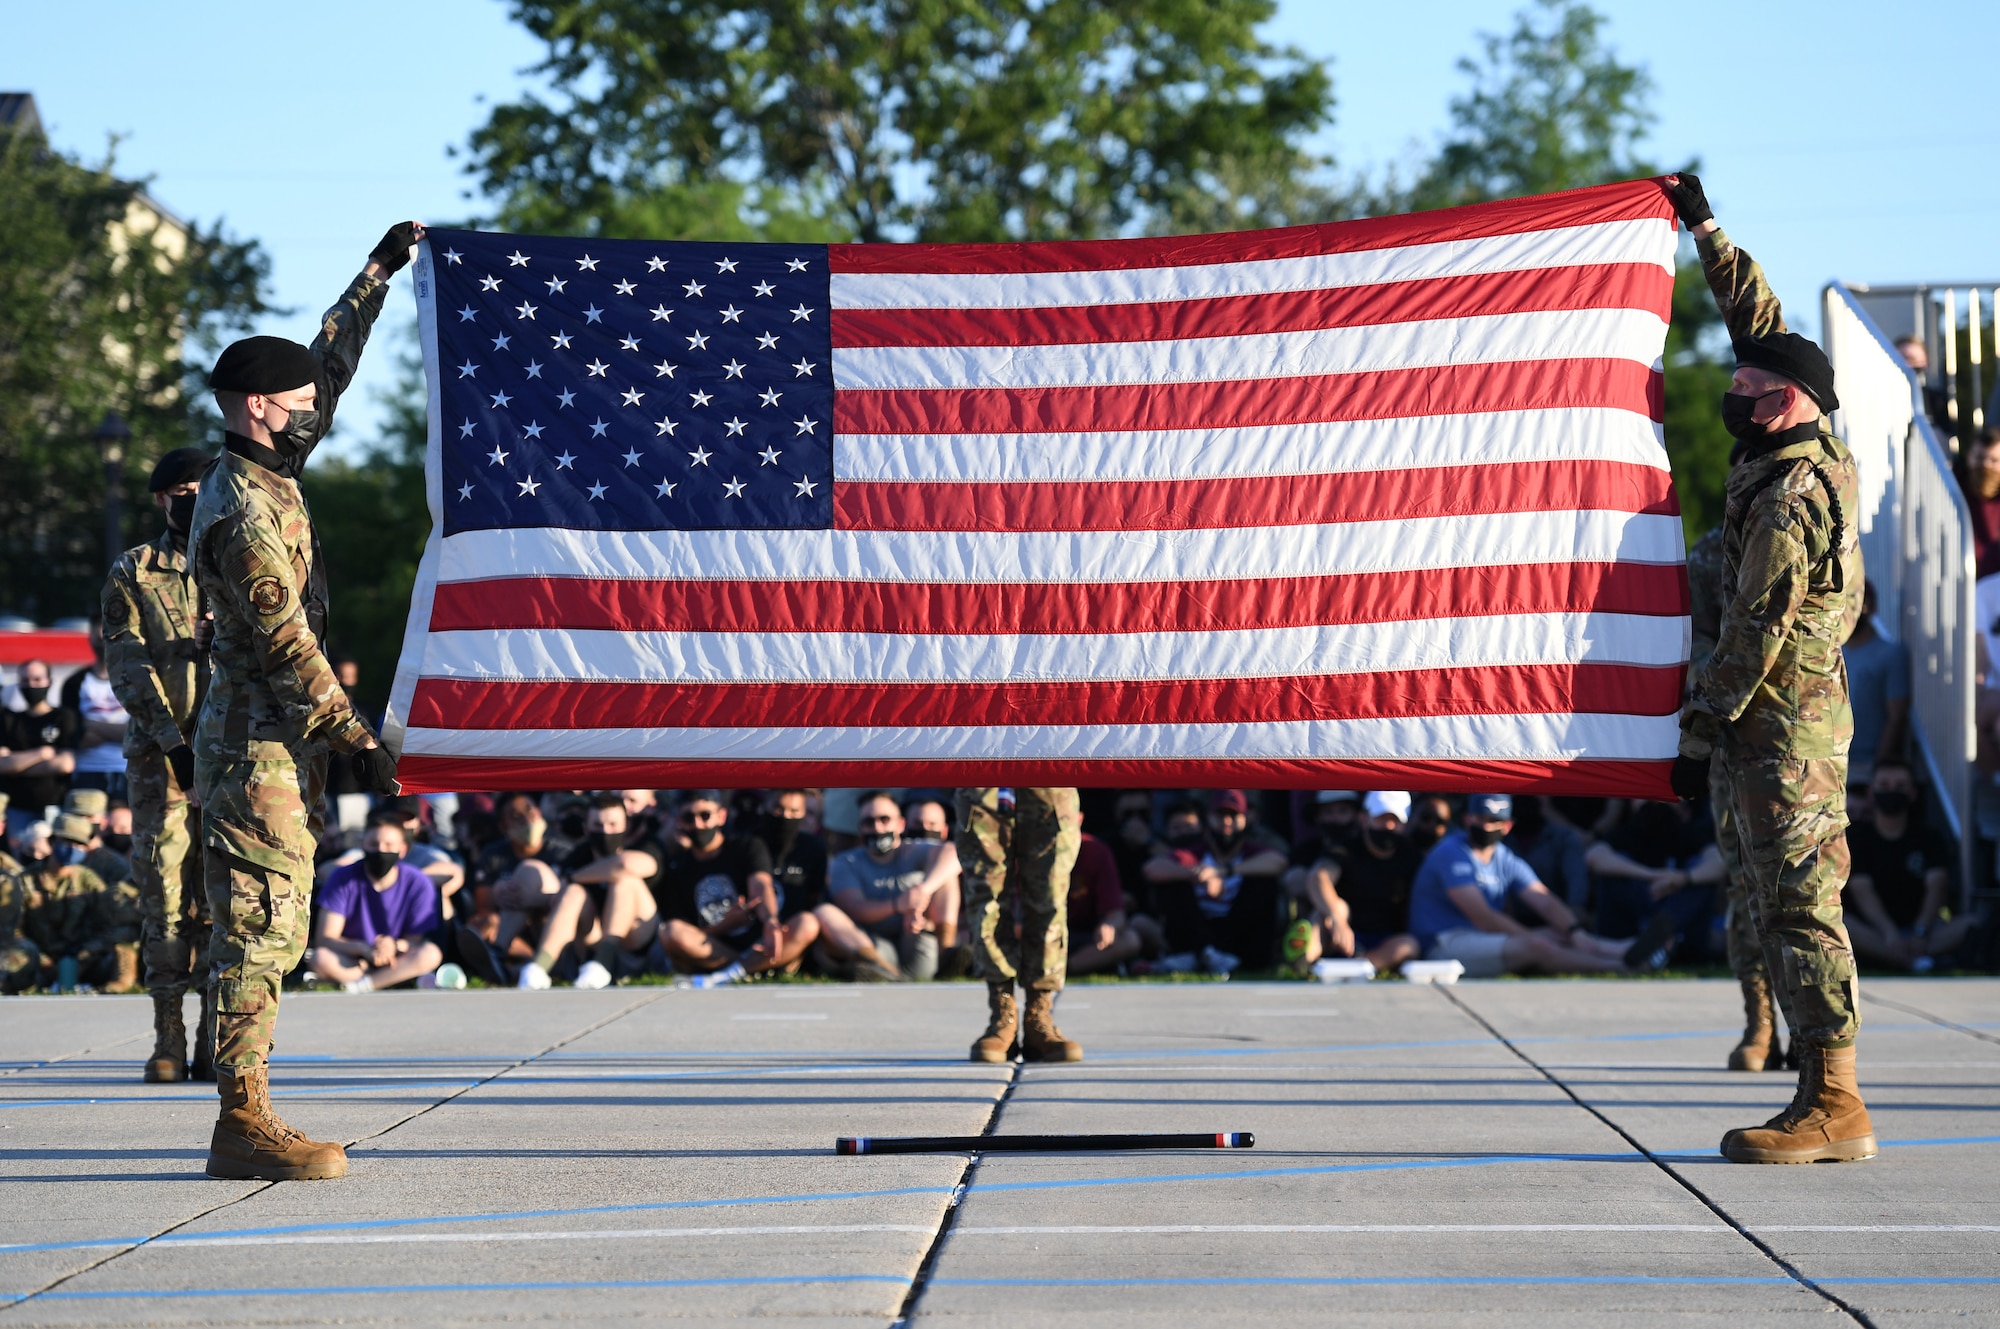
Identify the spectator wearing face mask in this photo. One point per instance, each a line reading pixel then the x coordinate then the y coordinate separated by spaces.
pixel 376 916
pixel 1901 876
pixel 723 918
pixel 515 886
pixel 1430 821
pixel 71 916
pixel 1219 885
pixel 608 907
pixel 37 750
pixel 799 863
pixel 928 821
pixel 100 753
pixel 117 832
pixel 903 893
pixel 1357 883
pixel 92 805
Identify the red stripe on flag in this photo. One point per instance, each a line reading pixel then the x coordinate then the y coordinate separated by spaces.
pixel 1590 689
pixel 419 774
pixel 1386 394
pixel 1645 286
pixel 1232 502
pixel 1630 200
pixel 917 608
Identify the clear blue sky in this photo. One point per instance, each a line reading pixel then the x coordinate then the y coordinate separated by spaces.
pixel 1838 138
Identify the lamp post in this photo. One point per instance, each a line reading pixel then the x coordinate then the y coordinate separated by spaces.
pixel 112 435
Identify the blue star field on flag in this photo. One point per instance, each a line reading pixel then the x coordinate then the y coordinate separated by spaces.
pixel 633 385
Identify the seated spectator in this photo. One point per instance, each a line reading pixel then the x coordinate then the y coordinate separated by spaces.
pixel 903 893
pixel 1902 870
pixel 1979 479
pixel 91 804
pixel 722 918
pixel 607 909
pixel 1459 908
pixel 1100 936
pixel 1133 846
pixel 520 886
pixel 100 753
pixel 1661 858
pixel 1218 887
pixel 928 820
pixel 1553 848
pixel 20 959
pixel 1355 876
pixel 420 853
pixel 117 832
pixel 1878 690
pixel 86 934
pixel 642 815
pixel 37 750
pixel 1430 821
pixel 799 869
pixel 376 915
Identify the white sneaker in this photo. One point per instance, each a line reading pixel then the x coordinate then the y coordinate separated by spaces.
pixel 533 978
pixel 449 977
pixel 735 973
pixel 593 976
pixel 1218 962
pixel 361 984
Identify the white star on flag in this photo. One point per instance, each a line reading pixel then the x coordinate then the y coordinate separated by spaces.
pixel 699 457
pixel 567 459
pixel 489 283
pixel 555 285
pixel 770 456
pixel 500 342
pixel 725 265
pixel 498 457
pixel 562 340
pixel 801 314
pixel 465 491
pixel 629 342
pixel 735 427
pixel 633 396
pixel 597 368
pixel 805 368
pixel 453 256
pixel 586 264
pixel 524 310
pixel 534 369
pixel 806 425
pixel 465 430
pixel 632 457
pixel 530 485
pixel 624 287
pixel 565 398
pixel 805 488
pixel 666 489
pixel 767 341
pixel 732 315
pixel 596 492
pixel 468 369
pixel 501 399
pixel 734 369
pixel 597 428
pixel 664 369
pixel 770 396
pixel 517 259
pixel 732 488
pixel 532 430
pixel 764 288
pixel 656 264
pixel 593 315
pixel 795 265
pixel 700 398
pixel 666 425
pixel 662 314
pixel 694 288
pixel 467 314
pixel 698 342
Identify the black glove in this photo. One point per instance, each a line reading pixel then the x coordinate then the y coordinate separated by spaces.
pixel 181 760
pixel 1689 201
pixel 375 770
pixel 1690 777
pixel 394 251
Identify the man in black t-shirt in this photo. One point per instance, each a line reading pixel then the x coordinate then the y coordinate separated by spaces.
pixel 1355 877
pixel 37 749
pixel 607 902
pixel 724 919
pixel 1901 872
pixel 798 857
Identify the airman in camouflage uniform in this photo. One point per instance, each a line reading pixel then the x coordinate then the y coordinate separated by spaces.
pixel 1769 707
pixel 115 871
pixel 1019 844
pixel 151 605
pixel 70 914
pixel 1758 1049
pixel 273 709
pixel 20 961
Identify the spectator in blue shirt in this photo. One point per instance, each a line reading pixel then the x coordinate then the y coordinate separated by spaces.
pixel 376 916
pixel 1878 688
pixel 1459 908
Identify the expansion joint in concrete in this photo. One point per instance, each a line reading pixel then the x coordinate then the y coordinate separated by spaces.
pixel 949 1218
pixel 1791 1270
pixel 1938 1020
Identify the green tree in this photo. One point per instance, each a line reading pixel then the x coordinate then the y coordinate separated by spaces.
pixel 373 516
pixel 96 314
pixel 904 119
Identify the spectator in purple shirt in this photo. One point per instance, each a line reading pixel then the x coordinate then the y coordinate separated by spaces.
pixel 376 916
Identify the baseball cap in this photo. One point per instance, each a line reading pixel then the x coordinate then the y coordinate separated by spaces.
pixel 1493 807
pixel 1229 800
pixel 1394 802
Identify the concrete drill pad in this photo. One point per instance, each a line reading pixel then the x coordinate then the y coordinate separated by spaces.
pixel 640 1154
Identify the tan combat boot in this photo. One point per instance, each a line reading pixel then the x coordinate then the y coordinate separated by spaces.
pixel 1040 1039
pixel 127 954
pixel 253 1143
pixel 996 1045
pixel 1826 1123
pixel 201 1065
pixel 168 1064
pixel 1753 1053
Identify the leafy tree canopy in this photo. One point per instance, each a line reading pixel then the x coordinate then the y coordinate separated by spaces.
pixel 906 119
pixel 98 312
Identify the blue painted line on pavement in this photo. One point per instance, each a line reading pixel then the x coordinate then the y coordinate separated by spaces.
pixel 406 1289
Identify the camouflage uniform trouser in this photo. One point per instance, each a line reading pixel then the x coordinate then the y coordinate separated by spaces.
pixel 166 867
pixel 1028 853
pixel 1791 826
pixel 20 965
pixel 1746 952
pixel 260 821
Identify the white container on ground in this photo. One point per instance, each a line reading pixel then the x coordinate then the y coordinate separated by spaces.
pixel 1432 971
pixel 1343 971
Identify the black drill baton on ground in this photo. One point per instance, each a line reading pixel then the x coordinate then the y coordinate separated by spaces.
pixel 1036 1144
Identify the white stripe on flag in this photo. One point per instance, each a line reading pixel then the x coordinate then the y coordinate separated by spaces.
pixel 1264 653
pixel 1082 557
pixel 1641 240
pixel 1435 738
pixel 1589 433
pixel 1622 334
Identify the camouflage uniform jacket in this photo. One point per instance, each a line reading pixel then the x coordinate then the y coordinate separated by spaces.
pixel 150 608
pixel 13 899
pixel 1704 568
pixel 1776 679
pixel 67 912
pixel 257 559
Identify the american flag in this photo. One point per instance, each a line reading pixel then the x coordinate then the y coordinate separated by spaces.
pixel 1374 504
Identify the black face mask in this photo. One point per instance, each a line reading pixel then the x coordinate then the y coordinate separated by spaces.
pixel 606 843
pixel 1895 802
pixel 1481 837
pixel 180 512
pixel 302 432
pixel 1226 841
pixel 1737 408
pixel 378 863
pixel 33 695
pixel 882 842
pixel 1338 833
pixel 121 843
pixel 703 836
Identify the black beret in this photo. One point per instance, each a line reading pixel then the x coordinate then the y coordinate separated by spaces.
pixel 179 467
pixel 263 365
pixel 1794 357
